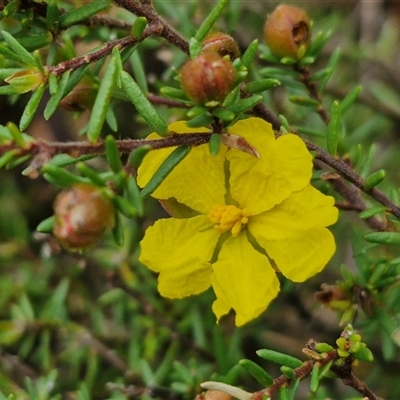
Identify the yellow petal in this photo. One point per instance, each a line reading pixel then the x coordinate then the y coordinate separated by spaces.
pixel 284 167
pixel 293 233
pixel 198 181
pixel 243 279
pixel 180 252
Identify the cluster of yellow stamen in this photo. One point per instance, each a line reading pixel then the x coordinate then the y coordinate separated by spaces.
pixel 228 217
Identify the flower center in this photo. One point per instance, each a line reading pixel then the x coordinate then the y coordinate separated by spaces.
pixel 228 218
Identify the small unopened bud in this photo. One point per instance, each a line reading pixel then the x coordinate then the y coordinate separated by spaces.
pixel 221 43
pixel 213 395
pixel 26 80
pixel 82 213
pixel 208 77
pixel 287 32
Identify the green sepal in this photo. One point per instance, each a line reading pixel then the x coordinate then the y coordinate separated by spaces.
pixel 208 23
pixel 332 136
pixel 257 372
pixel 133 194
pixel 31 107
pixel 7 157
pixel 47 225
pixel 372 211
pixel 261 85
pixel 112 154
pixel 374 179
pixel 118 230
pixel 288 372
pixel 143 105
pixel 90 173
pixel 19 50
pixel 215 143
pixel 165 169
pixel 248 56
pixel 303 101
pixel 54 101
pixel 60 177
pixel 102 101
pixel 138 27
pixel 245 104
pixel 350 98
pixel 10 8
pixel 314 380
pixel 125 207
pixel 194 47
pixel 383 237
pixel 137 155
pixel 279 358
pixel 82 13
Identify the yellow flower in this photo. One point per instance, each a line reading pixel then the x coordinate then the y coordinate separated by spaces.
pixel 244 219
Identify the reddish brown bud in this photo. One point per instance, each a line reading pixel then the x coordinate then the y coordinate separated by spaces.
pixel 287 32
pixel 221 43
pixel 208 77
pixel 82 213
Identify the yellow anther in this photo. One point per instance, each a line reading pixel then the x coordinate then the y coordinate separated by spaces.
pixel 228 217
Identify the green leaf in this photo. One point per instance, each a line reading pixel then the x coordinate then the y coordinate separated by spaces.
pixel 143 105
pixel 200 121
pixel 374 179
pixel 60 177
pixel 138 27
pixel 194 47
pixel 47 225
pixel 257 372
pixel 210 20
pixel 165 169
pixel 125 207
pixel 31 107
pixel 138 71
pixel 383 237
pixel 318 43
pixel 118 231
pixel 332 137
pixel 17 135
pixel 314 381
pixel 103 98
pixel 331 65
pixel 54 101
pixel 133 194
pixel 82 13
pixel 112 154
pixel 7 157
pixel 173 93
pixel 350 98
pixel 261 85
pixel 304 101
pixel 32 43
pixel 23 55
pixel 215 143
pixel 279 358
pixel 245 104
pixel 248 56
pixel 52 15
pixel 92 174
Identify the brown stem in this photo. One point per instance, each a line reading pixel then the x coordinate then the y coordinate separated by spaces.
pixel 158 100
pixel 146 9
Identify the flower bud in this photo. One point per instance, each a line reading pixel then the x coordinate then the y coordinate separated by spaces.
pixel 208 77
pixel 82 213
pixel 287 32
pixel 26 80
pixel 221 43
